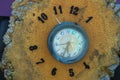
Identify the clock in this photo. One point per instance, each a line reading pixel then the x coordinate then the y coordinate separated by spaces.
pixel 61 40
pixel 68 42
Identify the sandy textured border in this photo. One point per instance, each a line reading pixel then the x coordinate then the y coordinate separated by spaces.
pixel 17 18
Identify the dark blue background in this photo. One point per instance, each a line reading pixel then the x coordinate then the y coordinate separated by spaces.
pixel 3 28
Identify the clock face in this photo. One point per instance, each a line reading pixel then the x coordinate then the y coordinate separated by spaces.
pixel 68 42
pixel 60 40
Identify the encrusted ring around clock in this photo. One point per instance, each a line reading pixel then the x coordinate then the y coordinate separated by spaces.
pixel 68 42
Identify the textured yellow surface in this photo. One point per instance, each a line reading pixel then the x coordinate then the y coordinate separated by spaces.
pixel 101 30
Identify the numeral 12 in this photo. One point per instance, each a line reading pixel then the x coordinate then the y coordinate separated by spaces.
pixel 74 10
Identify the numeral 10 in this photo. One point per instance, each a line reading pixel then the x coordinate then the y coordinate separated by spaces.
pixel 43 17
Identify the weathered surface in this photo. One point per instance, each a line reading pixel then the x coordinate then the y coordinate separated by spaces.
pixel 25 30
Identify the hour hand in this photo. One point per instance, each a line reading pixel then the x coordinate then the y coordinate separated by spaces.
pixel 66 51
pixel 61 44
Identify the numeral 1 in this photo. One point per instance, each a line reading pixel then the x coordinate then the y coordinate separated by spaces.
pixel 43 17
pixel 74 10
pixel 55 10
pixel 89 19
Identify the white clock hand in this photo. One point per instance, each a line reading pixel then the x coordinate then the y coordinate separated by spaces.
pixel 58 20
pixel 62 43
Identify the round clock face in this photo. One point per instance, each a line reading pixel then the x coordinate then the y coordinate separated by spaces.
pixel 68 42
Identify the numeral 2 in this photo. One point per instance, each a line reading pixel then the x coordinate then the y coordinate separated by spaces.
pixel 74 10
pixel 56 10
pixel 43 17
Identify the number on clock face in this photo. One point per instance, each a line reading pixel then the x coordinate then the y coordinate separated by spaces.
pixel 68 42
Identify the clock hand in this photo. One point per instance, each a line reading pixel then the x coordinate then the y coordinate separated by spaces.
pixel 63 53
pixel 61 44
pixel 68 44
pixel 65 43
pixel 58 20
pixel 66 49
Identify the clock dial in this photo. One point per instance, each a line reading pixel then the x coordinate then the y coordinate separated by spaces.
pixel 60 40
pixel 68 42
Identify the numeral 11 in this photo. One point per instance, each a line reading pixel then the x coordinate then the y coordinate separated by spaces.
pixel 56 11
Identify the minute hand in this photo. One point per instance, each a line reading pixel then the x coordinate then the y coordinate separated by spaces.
pixel 67 48
pixel 61 44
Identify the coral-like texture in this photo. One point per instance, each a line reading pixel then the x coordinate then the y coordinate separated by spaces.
pixel 26 30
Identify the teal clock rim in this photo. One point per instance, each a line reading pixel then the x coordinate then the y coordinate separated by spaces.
pixel 59 27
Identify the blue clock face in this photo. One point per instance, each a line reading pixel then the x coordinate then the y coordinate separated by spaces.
pixel 68 42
